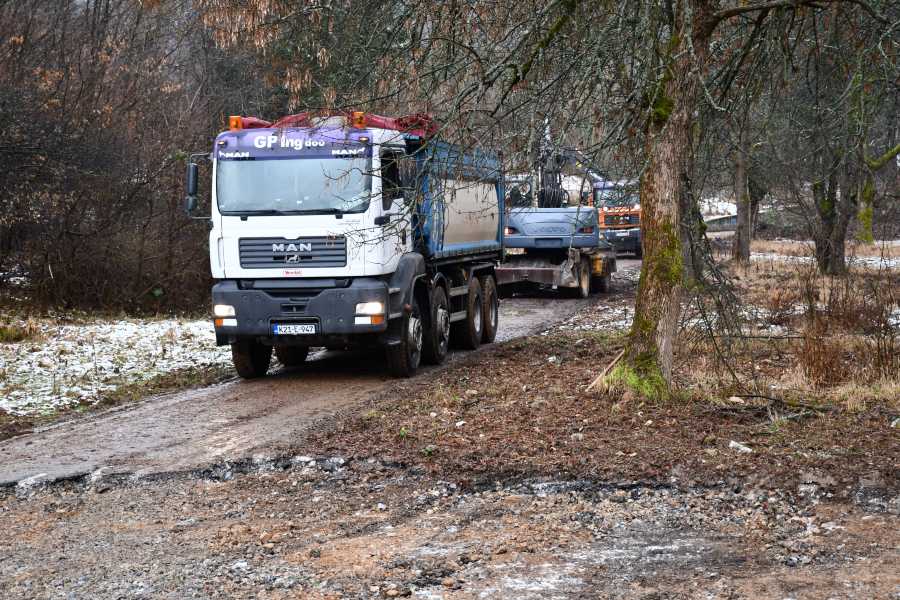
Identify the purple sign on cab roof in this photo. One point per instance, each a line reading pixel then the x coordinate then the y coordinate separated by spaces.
pixel 261 144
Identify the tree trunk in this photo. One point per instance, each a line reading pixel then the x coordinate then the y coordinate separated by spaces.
pixel 757 192
pixel 646 366
pixel 740 249
pixel 833 221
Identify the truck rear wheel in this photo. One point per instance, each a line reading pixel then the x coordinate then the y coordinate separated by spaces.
pixel 437 338
pixel 490 309
pixel 251 358
pixel 584 279
pixel 291 356
pixel 600 283
pixel 467 333
pixel 403 358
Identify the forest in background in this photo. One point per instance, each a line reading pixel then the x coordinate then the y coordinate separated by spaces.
pixel 100 102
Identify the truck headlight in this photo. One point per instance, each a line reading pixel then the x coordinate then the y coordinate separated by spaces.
pixel 370 308
pixel 223 310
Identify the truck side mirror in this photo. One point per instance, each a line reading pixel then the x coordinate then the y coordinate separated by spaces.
pixel 191 187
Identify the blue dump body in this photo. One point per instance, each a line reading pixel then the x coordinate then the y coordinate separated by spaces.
pixel 574 227
pixel 462 208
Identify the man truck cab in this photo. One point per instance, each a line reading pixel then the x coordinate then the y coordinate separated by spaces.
pixel 350 230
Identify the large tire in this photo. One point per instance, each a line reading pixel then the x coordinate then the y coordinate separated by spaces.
pixel 403 358
pixel 467 333
pixel 251 359
pixel 490 315
pixel 437 337
pixel 291 356
pixel 639 251
pixel 584 280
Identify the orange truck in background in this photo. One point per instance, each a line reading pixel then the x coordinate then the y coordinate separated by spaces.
pixel 619 207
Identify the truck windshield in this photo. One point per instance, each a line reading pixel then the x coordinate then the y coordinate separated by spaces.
pixel 293 185
pixel 617 197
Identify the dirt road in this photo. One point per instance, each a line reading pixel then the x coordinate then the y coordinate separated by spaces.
pixel 227 422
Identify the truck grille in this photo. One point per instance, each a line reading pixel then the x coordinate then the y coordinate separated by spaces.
pixel 268 253
pixel 622 220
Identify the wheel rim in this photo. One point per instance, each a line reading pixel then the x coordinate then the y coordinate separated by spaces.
pixel 494 311
pixel 414 334
pixel 476 320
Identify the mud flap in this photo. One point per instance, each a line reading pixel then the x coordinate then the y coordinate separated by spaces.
pixel 401 285
pixel 568 271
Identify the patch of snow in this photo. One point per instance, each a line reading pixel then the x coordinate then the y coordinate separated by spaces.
pixel 715 207
pixel 603 317
pixel 15 277
pixel 894 317
pixel 75 364
pixel 869 262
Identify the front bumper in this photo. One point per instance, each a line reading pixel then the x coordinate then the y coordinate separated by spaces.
pixel 328 304
pixel 623 239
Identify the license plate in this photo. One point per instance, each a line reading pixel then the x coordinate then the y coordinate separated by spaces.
pixel 622 234
pixel 294 329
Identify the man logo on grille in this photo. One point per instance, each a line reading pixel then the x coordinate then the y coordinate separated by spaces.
pixel 298 247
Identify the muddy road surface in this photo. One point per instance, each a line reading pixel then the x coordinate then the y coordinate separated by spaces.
pixel 233 420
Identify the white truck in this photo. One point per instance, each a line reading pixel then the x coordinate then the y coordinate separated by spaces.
pixel 350 230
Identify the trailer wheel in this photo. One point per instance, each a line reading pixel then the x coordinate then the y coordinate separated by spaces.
pixel 291 356
pixel 491 309
pixel 467 333
pixel 403 358
pixel 251 358
pixel 437 338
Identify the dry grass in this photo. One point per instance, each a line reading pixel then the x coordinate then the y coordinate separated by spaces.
pixel 885 249
pixel 837 340
pixel 11 333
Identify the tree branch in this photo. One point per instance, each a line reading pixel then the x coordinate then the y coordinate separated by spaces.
pixel 727 13
pixel 876 164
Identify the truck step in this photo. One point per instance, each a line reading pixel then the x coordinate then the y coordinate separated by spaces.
pixel 459 291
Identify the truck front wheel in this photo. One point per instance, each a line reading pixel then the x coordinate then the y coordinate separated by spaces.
pixel 291 356
pixel 403 357
pixel 251 358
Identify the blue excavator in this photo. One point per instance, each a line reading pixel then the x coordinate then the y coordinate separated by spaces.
pixel 552 234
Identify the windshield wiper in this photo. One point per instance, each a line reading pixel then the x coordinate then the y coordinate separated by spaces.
pixel 322 211
pixel 273 211
pixel 255 213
